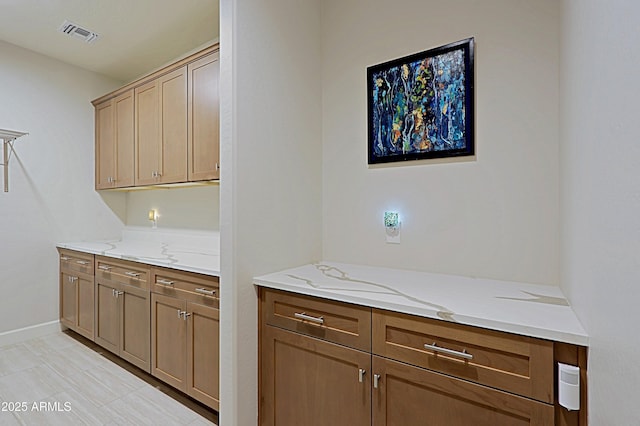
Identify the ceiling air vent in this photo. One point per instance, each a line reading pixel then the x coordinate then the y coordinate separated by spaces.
pixel 74 30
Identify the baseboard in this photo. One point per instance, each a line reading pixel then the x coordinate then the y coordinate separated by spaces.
pixel 31 332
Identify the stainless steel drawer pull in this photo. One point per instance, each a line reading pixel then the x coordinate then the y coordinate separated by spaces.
pixel 82 262
pixel 132 274
pixel 303 316
pixel 205 291
pixel 104 267
pixel 376 380
pixel 446 351
pixel 361 373
pixel 164 282
pixel 65 258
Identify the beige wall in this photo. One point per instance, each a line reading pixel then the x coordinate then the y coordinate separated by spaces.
pixel 601 196
pixel 188 208
pixel 271 183
pixel 494 216
pixel 51 197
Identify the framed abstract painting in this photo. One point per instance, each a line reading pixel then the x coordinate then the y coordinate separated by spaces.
pixel 421 106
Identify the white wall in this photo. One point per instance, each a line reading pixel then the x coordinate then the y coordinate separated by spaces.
pixel 51 196
pixel 187 208
pixel 601 196
pixel 271 185
pixel 496 216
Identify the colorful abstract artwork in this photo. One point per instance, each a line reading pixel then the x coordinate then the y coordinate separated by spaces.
pixel 421 106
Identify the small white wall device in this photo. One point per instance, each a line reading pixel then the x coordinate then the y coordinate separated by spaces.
pixel 569 386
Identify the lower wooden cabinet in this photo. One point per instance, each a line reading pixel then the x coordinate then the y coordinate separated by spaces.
pixel 122 322
pixel 77 293
pixel 405 395
pixel 185 334
pixel 417 372
pixel 307 381
pixel 164 321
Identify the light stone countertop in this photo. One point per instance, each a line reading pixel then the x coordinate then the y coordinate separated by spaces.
pixel 532 310
pixel 191 251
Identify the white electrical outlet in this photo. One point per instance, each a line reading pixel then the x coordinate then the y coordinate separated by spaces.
pixel 392 226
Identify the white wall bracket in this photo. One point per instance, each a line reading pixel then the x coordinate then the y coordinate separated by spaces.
pixel 8 137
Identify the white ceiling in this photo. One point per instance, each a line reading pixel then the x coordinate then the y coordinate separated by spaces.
pixel 135 36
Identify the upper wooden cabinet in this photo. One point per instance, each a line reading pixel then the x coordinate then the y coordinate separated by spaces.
pixel 204 124
pixel 163 128
pixel 114 142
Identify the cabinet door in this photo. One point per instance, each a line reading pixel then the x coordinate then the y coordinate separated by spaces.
pixel 203 349
pixel 105 145
pixel 124 135
pixel 306 381
pixel 147 133
pixel 86 307
pixel 204 122
pixel 68 300
pixel 173 121
pixel 168 340
pixel 107 316
pixel 135 336
pixel 408 395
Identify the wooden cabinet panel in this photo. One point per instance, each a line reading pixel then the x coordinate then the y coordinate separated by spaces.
pixel 124 139
pixel 168 340
pixel 185 333
pixel 306 381
pixel 68 300
pixel 121 271
pixel 107 317
pixel 105 145
pixel 204 118
pixel 518 364
pixel 408 395
pixel 203 349
pixel 135 323
pixel 147 133
pixel 196 288
pixel 173 121
pixel 123 310
pixel 75 262
pixel 77 292
pixel 342 323
pixel 114 142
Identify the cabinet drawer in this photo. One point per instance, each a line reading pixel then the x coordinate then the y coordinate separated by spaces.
pixel 122 271
pixel 75 261
pixel 518 364
pixel 337 322
pixel 202 289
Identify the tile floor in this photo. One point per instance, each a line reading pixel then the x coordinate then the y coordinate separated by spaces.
pixel 64 379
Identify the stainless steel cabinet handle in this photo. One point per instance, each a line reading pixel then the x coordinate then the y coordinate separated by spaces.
pixel 104 267
pixel 185 315
pixel 113 292
pixel 119 293
pixel 82 262
pixel 132 274
pixel 446 351
pixel 205 291
pixel 304 316
pixel 361 373
pixel 72 279
pixel 65 258
pixel 376 379
pixel 164 282
pixel 217 167
pixel 179 313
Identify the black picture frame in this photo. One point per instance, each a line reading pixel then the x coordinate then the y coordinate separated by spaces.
pixel 421 106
